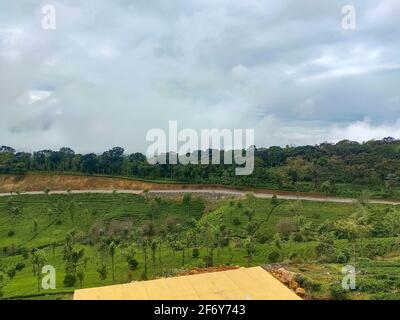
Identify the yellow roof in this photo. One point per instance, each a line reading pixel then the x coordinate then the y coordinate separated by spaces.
pixel 239 284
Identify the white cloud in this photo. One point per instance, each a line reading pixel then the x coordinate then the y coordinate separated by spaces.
pixel 344 61
pixel 111 71
pixel 365 130
pixel 277 132
pixel 308 107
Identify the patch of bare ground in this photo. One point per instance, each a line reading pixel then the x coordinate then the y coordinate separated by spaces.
pixel 62 182
pixel 288 278
pixel 208 270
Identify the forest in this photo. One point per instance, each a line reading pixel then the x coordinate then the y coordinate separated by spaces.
pixel 345 168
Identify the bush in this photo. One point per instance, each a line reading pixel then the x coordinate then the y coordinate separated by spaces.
pixel 342 257
pixel 385 296
pixel 263 238
pixel 19 266
pixel 337 292
pixel 102 271
pixel 132 264
pixel 308 283
pixel 295 257
pixel 11 272
pixel 236 221
pixel 25 254
pixel 373 285
pixel 69 280
pixel 274 256
pixel 286 226
pixel 10 233
pixel 195 253
pixel 297 237
pixel 324 248
pixel 208 260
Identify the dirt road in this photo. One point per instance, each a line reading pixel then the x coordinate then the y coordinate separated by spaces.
pixel 216 192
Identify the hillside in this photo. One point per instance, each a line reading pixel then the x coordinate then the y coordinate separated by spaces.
pixel 346 168
pixel 63 183
pixel 154 237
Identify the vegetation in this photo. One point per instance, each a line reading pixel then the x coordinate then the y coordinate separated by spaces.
pixel 117 238
pixel 346 168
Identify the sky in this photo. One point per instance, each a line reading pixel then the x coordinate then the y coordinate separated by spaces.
pixel 113 70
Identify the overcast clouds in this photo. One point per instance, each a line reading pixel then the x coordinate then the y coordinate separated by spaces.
pixel 112 70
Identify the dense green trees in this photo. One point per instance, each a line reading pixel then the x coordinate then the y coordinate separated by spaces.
pixel 367 163
pixel 306 168
pixel 73 259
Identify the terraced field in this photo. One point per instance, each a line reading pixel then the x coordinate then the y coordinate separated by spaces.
pixel 43 221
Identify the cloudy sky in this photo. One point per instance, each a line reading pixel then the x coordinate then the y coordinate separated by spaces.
pixel 112 70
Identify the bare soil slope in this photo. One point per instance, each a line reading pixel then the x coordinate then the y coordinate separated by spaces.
pixel 39 182
pixel 56 182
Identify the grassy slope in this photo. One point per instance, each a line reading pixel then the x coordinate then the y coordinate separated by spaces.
pixel 133 208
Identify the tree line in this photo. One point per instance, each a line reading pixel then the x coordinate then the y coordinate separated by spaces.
pixel 304 168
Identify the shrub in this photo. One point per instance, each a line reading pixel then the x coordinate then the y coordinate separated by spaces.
pixel 373 285
pixel 129 255
pixel 286 226
pixel 10 233
pixel 295 257
pixel 11 272
pixel 385 296
pixel 263 238
pixel 324 248
pixel 208 260
pixel 102 271
pixel 195 253
pixel 236 221
pixel 308 283
pixel 19 266
pixel 337 292
pixel 69 280
pixel 342 257
pixel 132 264
pixel 25 254
pixel 297 237
pixel 274 256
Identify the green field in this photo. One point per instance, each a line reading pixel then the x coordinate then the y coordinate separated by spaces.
pixel 237 232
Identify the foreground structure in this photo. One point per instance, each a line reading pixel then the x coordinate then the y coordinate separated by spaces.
pixel 239 284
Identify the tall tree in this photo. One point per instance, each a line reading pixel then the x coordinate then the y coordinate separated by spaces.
pixel 38 260
pixel 112 250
